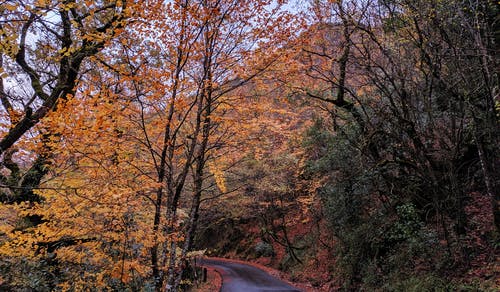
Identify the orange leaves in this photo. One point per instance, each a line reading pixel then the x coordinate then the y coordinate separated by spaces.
pixel 123 270
pixel 156 103
pixel 218 176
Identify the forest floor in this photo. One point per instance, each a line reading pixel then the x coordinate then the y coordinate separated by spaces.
pixel 213 283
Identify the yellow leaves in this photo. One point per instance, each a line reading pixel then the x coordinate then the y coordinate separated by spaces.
pixel 218 176
pixel 306 200
pixel 66 52
pixel 8 42
pixel 72 255
pixel 111 133
pixel 95 37
pixel 10 6
pixel 64 5
pixel 43 3
pixel 124 270
pixel 306 203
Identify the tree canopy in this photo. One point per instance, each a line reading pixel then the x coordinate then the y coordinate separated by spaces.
pixel 131 130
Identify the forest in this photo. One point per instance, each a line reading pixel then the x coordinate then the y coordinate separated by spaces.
pixel 353 145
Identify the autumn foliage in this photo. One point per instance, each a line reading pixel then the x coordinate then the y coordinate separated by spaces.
pixel 352 143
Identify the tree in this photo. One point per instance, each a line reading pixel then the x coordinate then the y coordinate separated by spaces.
pixel 43 48
pixel 395 77
pixel 139 131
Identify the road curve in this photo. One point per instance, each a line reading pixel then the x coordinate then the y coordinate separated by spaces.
pixel 238 277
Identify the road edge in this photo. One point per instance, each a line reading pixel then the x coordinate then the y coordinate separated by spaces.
pixel 273 272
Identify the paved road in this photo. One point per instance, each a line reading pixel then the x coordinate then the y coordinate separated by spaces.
pixel 237 277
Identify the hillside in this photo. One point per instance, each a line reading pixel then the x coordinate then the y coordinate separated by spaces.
pixel 345 145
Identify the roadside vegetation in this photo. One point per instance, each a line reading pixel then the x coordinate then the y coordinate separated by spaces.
pixel 351 144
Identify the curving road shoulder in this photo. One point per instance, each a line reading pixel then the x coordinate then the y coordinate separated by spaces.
pixel 238 277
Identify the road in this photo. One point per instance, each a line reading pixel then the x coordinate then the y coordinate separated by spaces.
pixel 238 277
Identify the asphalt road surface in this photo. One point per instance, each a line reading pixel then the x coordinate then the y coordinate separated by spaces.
pixel 237 277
